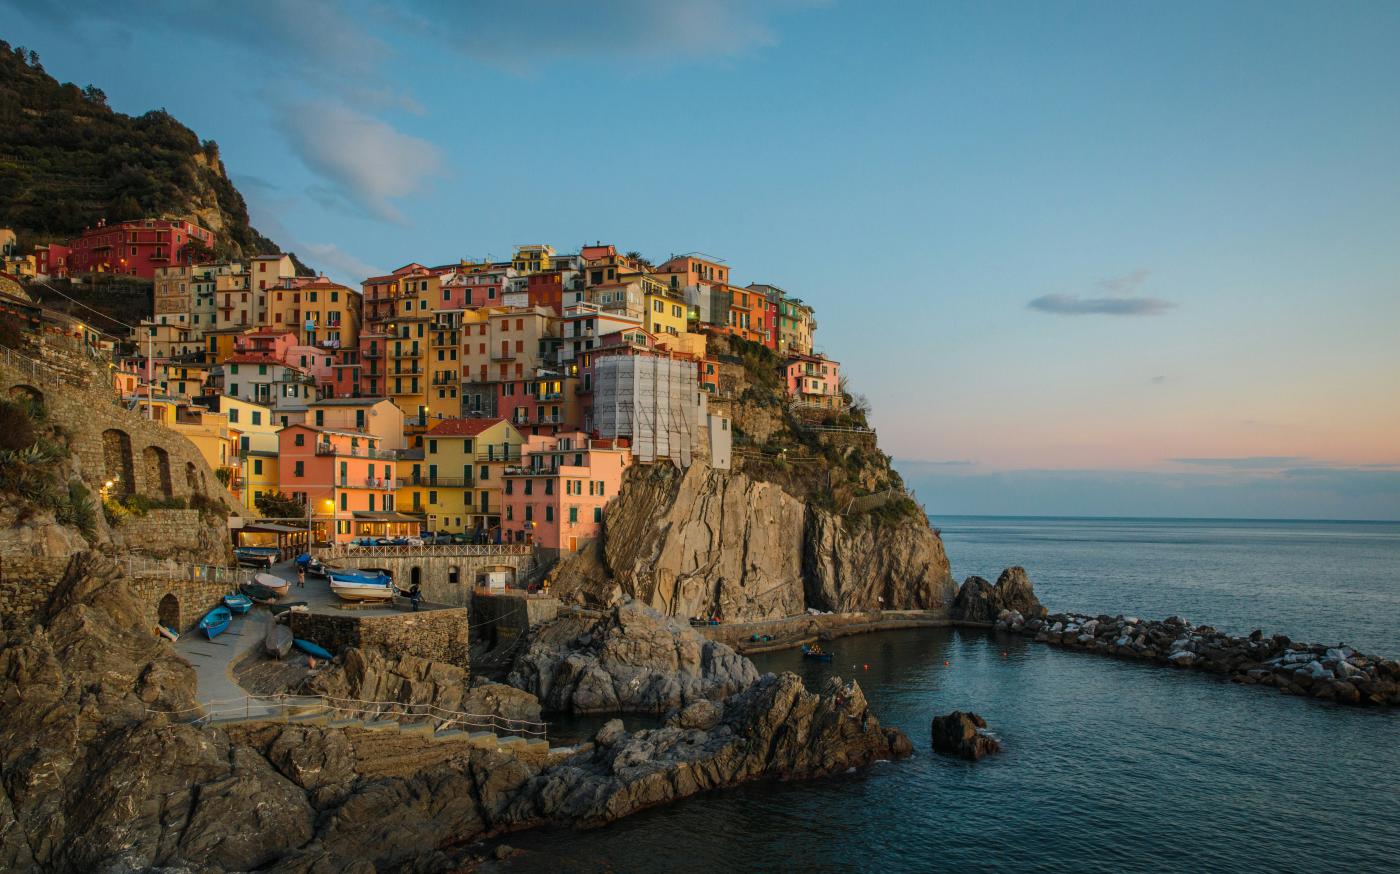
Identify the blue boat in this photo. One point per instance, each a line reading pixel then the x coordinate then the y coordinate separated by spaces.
pixel 238 603
pixel 310 648
pixel 815 652
pixel 216 622
pixel 367 576
pixel 311 565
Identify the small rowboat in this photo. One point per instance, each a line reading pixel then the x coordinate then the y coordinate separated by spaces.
pixel 238 603
pixel 278 585
pixel 277 641
pixel 168 633
pixel 815 652
pixel 215 622
pixel 258 593
pixel 289 607
pixel 311 649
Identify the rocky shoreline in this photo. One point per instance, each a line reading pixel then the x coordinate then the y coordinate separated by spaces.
pixel 1338 673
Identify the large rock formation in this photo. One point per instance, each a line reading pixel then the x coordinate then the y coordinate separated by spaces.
pixel 963 735
pixel 702 541
pixel 98 775
pixel 978 601
pixel 362 675
pixel 631 660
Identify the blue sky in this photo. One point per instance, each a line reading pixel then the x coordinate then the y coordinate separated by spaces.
pixel 1083 258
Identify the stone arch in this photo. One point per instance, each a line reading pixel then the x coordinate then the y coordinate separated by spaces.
pixel 192 478
pixel 117 462
pixel 415 576
pixel 168 612
pixel 28 395
pixel 454 575
pixel 156 464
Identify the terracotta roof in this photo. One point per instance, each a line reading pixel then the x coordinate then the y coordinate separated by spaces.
pixel 462 427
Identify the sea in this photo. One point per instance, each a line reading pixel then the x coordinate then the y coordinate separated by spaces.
pixel 1107 765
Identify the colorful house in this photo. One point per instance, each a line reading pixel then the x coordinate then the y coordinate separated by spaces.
pixel 138 247
pixel 556 497
pixel 814 380
pixel 348 480
pixel 379 417
pixel 460 476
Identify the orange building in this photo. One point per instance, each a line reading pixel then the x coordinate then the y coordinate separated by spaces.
pixel 348 480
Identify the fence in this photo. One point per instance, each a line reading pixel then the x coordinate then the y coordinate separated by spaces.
pixel 149 568
pixel 284 707
pixel 468 550
pixel 40 371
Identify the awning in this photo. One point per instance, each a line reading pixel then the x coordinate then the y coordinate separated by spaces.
pixel 272 526
pixel 368 516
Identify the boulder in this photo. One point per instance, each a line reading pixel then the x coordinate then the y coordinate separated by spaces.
pixel 981 602
pixel 962 734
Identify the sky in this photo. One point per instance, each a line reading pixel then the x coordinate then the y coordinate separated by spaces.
pixel 1083 258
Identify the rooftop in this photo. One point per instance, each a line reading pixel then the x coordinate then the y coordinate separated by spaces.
pixel 462 427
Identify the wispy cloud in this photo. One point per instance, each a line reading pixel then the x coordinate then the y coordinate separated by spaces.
pixel 1117 297
pixel 342 264
pixel 366 162
pixel 1247 462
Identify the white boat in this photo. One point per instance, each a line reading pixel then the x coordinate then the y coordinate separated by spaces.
pixel 278 585
pixel 350 585
pixel 350 590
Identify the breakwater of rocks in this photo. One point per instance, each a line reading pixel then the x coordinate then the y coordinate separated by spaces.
pixel 1332 673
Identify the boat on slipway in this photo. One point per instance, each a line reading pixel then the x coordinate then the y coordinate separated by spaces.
pixel 276 585
pixel 238 603
pixel 357 585
pixel 216 622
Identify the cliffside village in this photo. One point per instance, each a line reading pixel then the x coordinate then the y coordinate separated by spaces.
pixel 490 401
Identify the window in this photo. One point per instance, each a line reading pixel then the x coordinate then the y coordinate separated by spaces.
pixel 529 513
pixel 233 414
pixel 484 474
pixel 257 417
pixel 233 369
pixel 597 514
pixel 432 498
pixel 301 469
pixel 320 418
pixel 343 503
pixel 299 439
pixel 432 446
pixel 529 487
pixel 257 466
pixel 549 487
pixel 549 514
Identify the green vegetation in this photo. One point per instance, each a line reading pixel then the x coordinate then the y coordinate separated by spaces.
pixel 67 160
pixel 275 505
pixel 32 456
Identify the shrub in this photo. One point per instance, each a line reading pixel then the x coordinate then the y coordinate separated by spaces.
pixel 77 509
pixel 225 475
pixel 113 510
pixel 207 505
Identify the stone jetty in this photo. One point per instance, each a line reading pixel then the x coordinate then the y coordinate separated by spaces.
pixel 1337 673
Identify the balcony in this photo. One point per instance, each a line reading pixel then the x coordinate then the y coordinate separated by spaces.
pixel 372 353
pixel 435 482
pixel 446 377
pixel 407 371
pixel 496 453
pixel 404 353
pixel 355 452
pixel 503 355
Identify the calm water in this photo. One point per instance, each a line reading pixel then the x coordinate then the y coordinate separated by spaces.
pixel 1108 766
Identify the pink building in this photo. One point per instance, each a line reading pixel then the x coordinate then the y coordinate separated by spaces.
pixel 347 477
pixel 557 497
pixel 815 380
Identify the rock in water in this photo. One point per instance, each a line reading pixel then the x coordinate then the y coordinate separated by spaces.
pixel 634 660
pixel 980 601
pixel 961 734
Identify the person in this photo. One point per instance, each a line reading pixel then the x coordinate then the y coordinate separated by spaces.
pixel 415 595
pixel 301 577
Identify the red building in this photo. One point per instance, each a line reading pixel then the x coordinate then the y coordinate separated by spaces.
pixel 136 248
pixel 51 260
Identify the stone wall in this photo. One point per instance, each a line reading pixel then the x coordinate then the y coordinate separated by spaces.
pixel 435 575
pixel 181 534
pixel 110 442
pixel 437 635
pixel 179 603
pixel 508 614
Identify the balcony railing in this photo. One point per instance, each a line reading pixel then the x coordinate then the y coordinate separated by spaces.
pixel 432 482
pixel 499 455
pixel 445 378
pixel 355 452
pixel 372 353
pixel 502 355
pixel 407 371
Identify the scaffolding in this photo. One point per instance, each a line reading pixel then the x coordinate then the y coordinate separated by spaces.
pixel 651 400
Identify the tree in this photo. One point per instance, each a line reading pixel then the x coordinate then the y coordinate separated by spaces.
pixel 275 505
pixel 96 96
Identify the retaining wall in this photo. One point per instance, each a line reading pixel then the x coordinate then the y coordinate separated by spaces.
pixel 440 635
pixel 435 570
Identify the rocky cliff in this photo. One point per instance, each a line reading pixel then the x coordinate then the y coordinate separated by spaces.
pixel 812 515
pixel 100 773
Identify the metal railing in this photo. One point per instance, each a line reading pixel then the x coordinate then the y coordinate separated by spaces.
pixel 138 566
pixel 282 707
pixel 437 481
pixel 470 550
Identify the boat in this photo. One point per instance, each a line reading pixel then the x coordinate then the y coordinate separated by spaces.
pixel 311 649
pixel 238 603
pixel 360 585
pixel 278 585
pixel 216 622
pixel 258 593
pixel 168 633
pixel 815 652
pixel 277 640
pixel 289 607
pixel 257 556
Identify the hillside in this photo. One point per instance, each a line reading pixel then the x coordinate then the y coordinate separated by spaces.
pixel 67 160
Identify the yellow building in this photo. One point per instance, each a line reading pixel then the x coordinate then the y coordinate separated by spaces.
pixel 220 344
pixel 458 482
pixel 184 379
pixel 686 343
pixel 443 364
pixel 210 432
pixel 405 371
pixel 533 259
pixel 259 475
pixel 665 312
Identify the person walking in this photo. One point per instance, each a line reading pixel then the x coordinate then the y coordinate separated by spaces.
pixel 415 595
pixel 301 577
